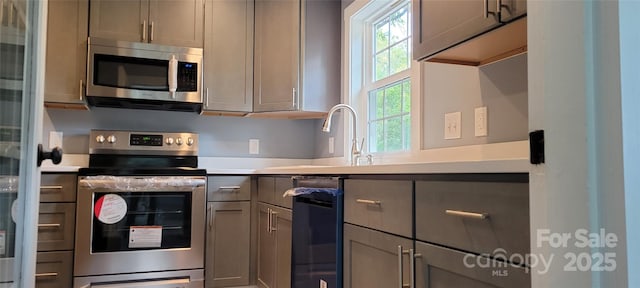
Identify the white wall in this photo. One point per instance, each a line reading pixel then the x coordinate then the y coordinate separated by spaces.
pixel 575 96
pixel 501 87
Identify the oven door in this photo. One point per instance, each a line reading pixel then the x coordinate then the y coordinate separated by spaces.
pixel 131 224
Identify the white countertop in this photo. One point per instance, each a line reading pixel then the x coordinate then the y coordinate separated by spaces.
pixel 492 166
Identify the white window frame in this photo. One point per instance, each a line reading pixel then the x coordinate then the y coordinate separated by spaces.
pixel 356 17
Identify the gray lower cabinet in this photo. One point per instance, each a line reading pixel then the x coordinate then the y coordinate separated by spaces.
pixel 480 217
pixel 228 244
pixel 271 189
pixel 228 55
pixel 66 62
pixel 54 269
pixel 274 246
pixel 440 267
pixel 56 230
pixel 385 205
pixel 375 259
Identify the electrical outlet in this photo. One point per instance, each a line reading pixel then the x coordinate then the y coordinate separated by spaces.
pixel 452 125
pixel 323 284
pixel 254 146
pixel 481 121
pixel 55 139
pixel 331 145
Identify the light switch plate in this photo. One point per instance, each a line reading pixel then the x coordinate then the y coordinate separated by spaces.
pixel 452 125
pixel 481 121
pixel 254 146
pixel 55 139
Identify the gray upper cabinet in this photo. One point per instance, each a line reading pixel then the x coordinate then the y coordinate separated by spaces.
pixel 228 244
pixel 371 259
pixel 228 55
pixel 511 9
pixel 439 25
pixel 297 55
pixel 168 22
pixel 65 67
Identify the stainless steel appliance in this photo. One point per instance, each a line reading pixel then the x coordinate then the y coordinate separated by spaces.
pixel 144 76
pixel 140 212
pixel 316 257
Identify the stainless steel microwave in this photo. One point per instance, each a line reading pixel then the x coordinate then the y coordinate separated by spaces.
pixel 143 76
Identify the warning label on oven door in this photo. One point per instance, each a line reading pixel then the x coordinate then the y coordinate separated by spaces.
pixel 110 208
pixel 145 236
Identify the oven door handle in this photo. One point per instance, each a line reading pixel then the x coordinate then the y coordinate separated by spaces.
pixel 172 283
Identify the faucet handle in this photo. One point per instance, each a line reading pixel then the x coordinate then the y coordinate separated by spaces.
pixel 361 145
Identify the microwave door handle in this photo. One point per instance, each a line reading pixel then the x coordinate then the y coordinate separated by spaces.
pixel 173 76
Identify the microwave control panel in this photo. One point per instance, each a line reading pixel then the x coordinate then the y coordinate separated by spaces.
pixel 187 77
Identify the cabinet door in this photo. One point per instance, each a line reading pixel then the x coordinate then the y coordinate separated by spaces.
pixel 512 9
pixel 281 220
pixel 440 24
pixel 54 269
pixel 176 22
pixel 228 55
pixel 439 267
pixel 228 245
pixel 371 258
pixel 277 55
pixel 65 67
pixel 125 20
pixel 266 248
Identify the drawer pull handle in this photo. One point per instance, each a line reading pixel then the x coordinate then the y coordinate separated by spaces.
pixel 229 188
pixel 51 187
pixel 370 202
pixel 480 216
pixel 50 274
pixel 52 225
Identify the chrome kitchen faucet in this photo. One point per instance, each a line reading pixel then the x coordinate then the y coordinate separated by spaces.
pixel 356 150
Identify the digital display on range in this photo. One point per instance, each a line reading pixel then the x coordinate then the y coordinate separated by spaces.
pixel 145 140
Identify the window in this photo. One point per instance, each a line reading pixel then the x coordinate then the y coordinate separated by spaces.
pixel 386 95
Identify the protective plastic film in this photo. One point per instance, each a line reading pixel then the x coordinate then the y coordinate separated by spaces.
pixel 147 183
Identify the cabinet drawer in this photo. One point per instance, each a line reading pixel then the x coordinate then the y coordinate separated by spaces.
pixel 56 224
pixel 271 189
pixel 379 204
pixel 439 267
pixel 58 188
pixel 228 188
pixel 53 269
pixel 474 216
pixel 282 184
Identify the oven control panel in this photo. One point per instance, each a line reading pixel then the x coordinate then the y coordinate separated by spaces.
pixel 128 142
pixel 145 140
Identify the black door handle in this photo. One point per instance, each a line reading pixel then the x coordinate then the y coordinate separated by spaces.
pixel 55 155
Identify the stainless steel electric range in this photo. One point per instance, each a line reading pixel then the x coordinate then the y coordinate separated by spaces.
pixel 140 211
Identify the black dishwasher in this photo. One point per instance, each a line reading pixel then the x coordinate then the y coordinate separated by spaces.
pixel 317 232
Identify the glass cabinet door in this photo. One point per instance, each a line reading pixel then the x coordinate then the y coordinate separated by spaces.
pixel 21 107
